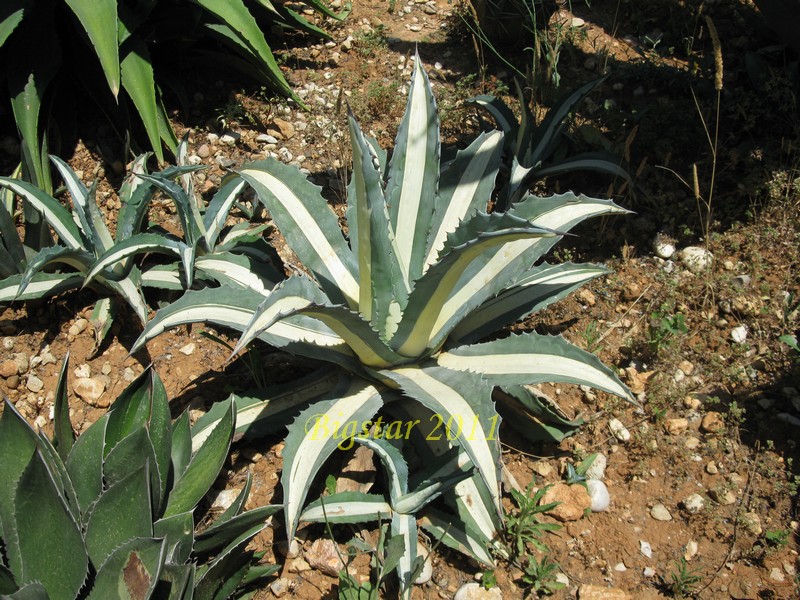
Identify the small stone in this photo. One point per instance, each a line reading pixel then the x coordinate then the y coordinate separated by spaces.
pixel 711 468
pixel 90 390
pixel 284 128
pixel 324 557
pixel 598 492
pixel 128 374
pixel 8 368
pixel 752 523
pixel 577 22
pixel 78 327
pixel 229 139
pixel 725 497
pixel 696 259
pixel 692 403
pixel 631 292
pixel 598 592
pixel 686 367
pixel 265 138
pixel 475 591
pixel 693 504
pixel 225 498
pixel 13 382
pixel 106 368
pixel 620 567
pixel 598 467
pixel 34 384
pixel 777 575
pixel 280 587
pixel 691 443
pixel 204 151
pixel 427 567
pixel 23 364
pixel 8 343
pixel 676 426
pixel 660 513
pixel 573 500
pixel 40 421
pixel 742 589
pixel 587 297
pixel 649 572
pixel 739 334
pixel 188 349
pixel 47 357
pixel 712 422
pixel 645 549
pixel 619 430
pixel 543 468
pixel 83 370
pixel 298 565
pixel 690 550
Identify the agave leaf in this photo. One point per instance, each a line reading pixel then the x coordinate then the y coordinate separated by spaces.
pixel 379 271
pixel 131 571
pixel 130 289
pixel 219 207
pixel 529 415
pixel 530 358
pixel 347 507
pixel 99 19
pixel 235 269
pixel 102 318
pixel 58 217
pixel 186 207
pixel 393 462
pixel 177 532
pixel 78 259
pixel 464 188
pixel 237 506
pixel 487 262
pixel 465 410
pixel 432 488
pixel 204 467
pixel 133 452
pixel 140 244
pixel 235 16
pixel 17 446
pixel 220 535
pixel 225 573
pixel 589 161
pixel 309 225
pixel 405 527
pixel 165 277
pixel 181 453
pixel 316 433
pixel 121 513
pixel 85 464
pixel 10 238
pixel 10 18
pixel 413 175
pixel 453 535
pixel 41 285
pixel 51 548
pixel 138 80
pixel 63 434
pixel 135 194
pixel 533 291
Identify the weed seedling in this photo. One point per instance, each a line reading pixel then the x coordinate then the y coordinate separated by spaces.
pixel 683 579
pixel 541 576
pixel 524 526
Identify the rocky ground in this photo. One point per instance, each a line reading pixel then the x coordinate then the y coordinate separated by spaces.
pixel 702 483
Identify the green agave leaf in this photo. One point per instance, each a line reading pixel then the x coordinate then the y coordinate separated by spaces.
pixel 393 462
pixel 220 535
pixel 181 453
pixel 186 206
pixel 405 527
pixel 63 434
pixel 99 19
pixel 503 116
pixel 130 290
pixel 40 286
pixel 58 217
pixel 347 507
pixel 533 291
pixel 138 80
pixel 444 528
pixel 466 413
pixel 85 205
pixel 31 591
pixel 379 271
pixel 134 452
pixel 237 506
pixel 413 175
pixel 10 17
pixel 85 464
pixel 465 187
pixel 59 473
pixel 102 318
pixel 226 572
pixel 142 243
pixel 429 490
pixel 463 278
pixel 268 411
pixel 180 579
pixel 309 225
pixel 530 358
pixel 236 269
pixel 219 207
pixel 135 194
pixel 589 161
pixel 15 261
pixel 165 277
pixel 177 532
pixel 314 436
pixel 78 259
pixel 235 16
pixel 131 572
pixel 204 467
pixel 51 548
pixel 121 513
pixel 531 416
pixel 17 446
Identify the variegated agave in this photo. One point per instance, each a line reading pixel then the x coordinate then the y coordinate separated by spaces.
pixel 401 310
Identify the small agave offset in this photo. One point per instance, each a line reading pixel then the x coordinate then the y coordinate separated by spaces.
pixel 400 305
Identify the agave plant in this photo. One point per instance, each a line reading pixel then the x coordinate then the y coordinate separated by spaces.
pixel 111 514
pixel 531 151
pixel 401 310
pixel 121 53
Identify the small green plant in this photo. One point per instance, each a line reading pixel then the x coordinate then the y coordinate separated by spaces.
pixel 777 538
pixel 523 526
pixel 664 328
pixel 384 558
pixel 592 337
pixel 112 513
pixel 683 580
pixel 540 576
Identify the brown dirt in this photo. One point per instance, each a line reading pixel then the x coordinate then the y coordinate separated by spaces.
pixel 746 383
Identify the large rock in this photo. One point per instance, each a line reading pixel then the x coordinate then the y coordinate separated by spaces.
pixel 324 557
pixel 597 592
pixel 475 591
pixel 573 500
pixel 90 390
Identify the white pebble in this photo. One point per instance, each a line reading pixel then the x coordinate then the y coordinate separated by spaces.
pixel 619 430
pixel 598 492
pixel 739 334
